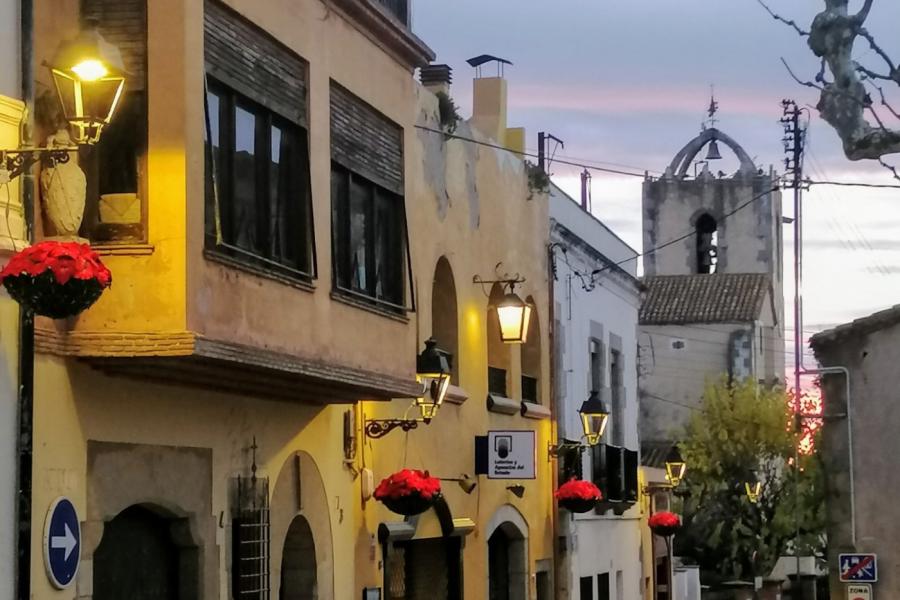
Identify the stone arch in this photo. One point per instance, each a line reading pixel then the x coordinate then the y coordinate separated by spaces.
pixel 445 314
pixel 682 161
pixel 173 483
pixel 531 357
pixel 507 551
pixel 498 353
pixel 299 491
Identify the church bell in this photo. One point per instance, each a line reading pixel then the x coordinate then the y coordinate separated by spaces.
pixel 713 152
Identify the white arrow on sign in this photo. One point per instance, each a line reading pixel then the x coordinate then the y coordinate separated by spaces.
pixel 65 542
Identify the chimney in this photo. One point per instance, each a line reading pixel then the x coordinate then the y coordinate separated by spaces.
pixel 586 190
pixel 489 98
pixel 436 78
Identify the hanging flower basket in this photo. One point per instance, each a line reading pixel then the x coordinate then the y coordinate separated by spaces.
pixel 665 523
pixel 56 279
pixel 578 496
pixel 408 492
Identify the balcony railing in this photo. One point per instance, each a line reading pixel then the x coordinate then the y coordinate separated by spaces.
pixel 398 8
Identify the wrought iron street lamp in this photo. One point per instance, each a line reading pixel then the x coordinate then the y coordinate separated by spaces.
pixel 433 371
pixel 514 315
pixel 89 78
pixel 675 467
pixel 594 418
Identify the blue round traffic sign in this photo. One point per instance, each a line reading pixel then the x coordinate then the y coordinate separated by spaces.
pixel 62 543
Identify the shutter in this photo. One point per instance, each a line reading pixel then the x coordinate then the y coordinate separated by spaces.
pixel 631 475
pixel 365 141
pixel 124 24
pixel 253 63
pixel 614 479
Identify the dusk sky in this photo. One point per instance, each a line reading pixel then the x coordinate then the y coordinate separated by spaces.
pixel 628 83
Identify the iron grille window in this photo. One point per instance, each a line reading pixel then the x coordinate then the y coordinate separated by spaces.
pixel 630 475
pixel 529 389
pixel 614 480
pixel 497 381
pixel 250 539
pixel 258 186
pixel 368 223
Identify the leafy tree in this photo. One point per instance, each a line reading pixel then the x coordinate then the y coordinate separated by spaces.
pixel 743 433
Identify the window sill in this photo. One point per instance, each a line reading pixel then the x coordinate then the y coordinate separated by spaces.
pixel 372 307
pixel 127 249
pixel 456 395
pixel 239 265
pixel 531 410
pixel 503 405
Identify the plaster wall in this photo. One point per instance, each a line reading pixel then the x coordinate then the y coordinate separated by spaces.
pixel 608 314
pixel 676 364
pixel 872 359
pixel 75 405
pixel 469 204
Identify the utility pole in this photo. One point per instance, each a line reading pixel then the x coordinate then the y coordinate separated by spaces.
pixel 543 137
pixel 794 140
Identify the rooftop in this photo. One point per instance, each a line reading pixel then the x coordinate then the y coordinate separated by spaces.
pixel 703 298
pixel 858 327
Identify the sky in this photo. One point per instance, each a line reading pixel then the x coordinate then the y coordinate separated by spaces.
pixel 627 83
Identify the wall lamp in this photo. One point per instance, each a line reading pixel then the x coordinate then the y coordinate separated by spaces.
pixel 675 467
pixel 433 372
pixel 517 490
pixel 89 77
pixel 594 417
pixel 513 313
pixel 753 491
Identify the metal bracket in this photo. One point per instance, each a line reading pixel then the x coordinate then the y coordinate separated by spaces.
pixel 554 450
pixel 16 162
pixel 378 428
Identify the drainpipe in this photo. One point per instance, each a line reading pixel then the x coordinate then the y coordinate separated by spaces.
pixel 554 425
pixel 24 442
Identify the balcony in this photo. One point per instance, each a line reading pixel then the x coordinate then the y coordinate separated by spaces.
pixel 398 8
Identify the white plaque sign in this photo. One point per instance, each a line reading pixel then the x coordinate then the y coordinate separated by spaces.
pixel 511 454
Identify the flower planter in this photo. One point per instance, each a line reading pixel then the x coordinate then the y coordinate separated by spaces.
pixel 56 279
pixel 664 524
pixel 578 496
pixel 578 505
pixel 411 505
pixel 408 492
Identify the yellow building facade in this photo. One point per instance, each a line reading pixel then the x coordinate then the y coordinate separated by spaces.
pixel 286 226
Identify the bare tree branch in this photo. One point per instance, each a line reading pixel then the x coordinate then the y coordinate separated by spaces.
pixel 890 168
pixel 895 75
pixel 884 101
pixel 863 13
pixel 788 22
pixel 798 80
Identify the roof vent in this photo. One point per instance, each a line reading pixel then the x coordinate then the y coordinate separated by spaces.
pixel 436 77
pixel 483 59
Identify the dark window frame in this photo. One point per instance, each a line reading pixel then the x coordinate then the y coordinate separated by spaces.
pixel 393 297
pixel 220 200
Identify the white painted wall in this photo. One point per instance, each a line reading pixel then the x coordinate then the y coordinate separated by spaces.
pixel 596 544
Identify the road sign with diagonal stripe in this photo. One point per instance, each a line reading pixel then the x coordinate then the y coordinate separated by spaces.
pixel 858 568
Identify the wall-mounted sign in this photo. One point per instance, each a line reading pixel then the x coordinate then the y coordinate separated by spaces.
pixel 858 568
pixel 859 591
pixel 506 454
pixel 62 543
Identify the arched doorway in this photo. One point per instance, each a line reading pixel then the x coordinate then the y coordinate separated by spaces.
pixel 298 563
pixel 138 559
pixel 507 564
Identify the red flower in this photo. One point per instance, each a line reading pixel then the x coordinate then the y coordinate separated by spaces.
pixel 406 483
pixel 66 260
pixel 664 523
pixel 577 489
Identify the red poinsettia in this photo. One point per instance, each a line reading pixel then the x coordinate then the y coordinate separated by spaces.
pixel 408 483
pixel 56 279
pixel 66 260
pixel 578 489
pixel 664 523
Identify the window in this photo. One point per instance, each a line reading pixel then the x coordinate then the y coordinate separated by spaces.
pixel 444 315
pixel 603 586
pixel 114 211
pixel 530 353
pixel 370 251
pixel 596 365
pixel 368 238
pixel 618 398
pixel 497 381
pixel 586 585
pixel 258 175
pixel 707 244
pixel 498 353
